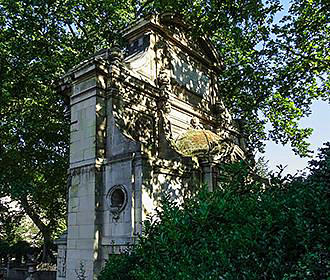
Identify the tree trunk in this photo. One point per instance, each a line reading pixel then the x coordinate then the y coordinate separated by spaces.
pixel 47 255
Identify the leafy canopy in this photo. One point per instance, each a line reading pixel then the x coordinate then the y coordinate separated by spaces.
pixel 272 73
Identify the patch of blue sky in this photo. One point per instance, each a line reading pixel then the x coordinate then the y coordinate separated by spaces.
pixel 319 120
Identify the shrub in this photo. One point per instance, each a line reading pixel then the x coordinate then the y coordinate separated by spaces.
pixel 245 230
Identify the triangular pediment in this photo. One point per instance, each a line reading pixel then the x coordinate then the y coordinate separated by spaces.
pixel 182 31
pixel 172 28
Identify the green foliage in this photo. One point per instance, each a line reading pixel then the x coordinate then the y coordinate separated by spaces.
pixel 39 42
pixel 4 249
pixel 17 233
pixel 81 272
pixel 270 74
pixel 10 220
pixel 245 230
pixel 120 267
pixel 320 167
pixel 301 67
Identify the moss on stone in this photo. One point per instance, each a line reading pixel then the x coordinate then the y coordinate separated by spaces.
pixel 196 142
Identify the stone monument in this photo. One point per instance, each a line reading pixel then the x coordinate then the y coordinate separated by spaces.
pixel 145 121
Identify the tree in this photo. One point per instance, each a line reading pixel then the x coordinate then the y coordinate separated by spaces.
pixel 272 73
pixel 33 135
pixel 41 40
pixel 17 233
pixel 9 223
pixel 301 67
pixel 248 229
pixel 319 168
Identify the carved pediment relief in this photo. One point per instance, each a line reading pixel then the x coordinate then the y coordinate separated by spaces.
pixel 182 32
pixel 182 71
pixel 167 35
pixel 190 74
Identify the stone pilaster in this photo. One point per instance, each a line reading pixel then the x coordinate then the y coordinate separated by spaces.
pixel 87 155
pixel 209 174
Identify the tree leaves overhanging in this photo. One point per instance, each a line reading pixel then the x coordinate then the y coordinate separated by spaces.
pixel 272 73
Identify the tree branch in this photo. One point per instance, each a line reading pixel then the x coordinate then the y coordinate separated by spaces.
pixel 33 215
pixel 71 30
pixel 325 63
pixel 81 27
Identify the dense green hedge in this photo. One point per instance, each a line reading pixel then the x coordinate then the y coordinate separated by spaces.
pixel 246 230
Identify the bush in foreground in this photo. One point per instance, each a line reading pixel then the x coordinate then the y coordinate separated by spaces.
pixel 245 230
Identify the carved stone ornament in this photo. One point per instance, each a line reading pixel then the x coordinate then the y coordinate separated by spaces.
pixel 117 200
pixel 195 124
pixel 163 80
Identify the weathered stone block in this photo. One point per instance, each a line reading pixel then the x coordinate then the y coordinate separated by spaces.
pixel 73 231
pixel 74 204
pixel 87 231
pixel 72 219
pixel 84 85
pixel 71 244
pixel 86 217
pixel 121 229
pixel 87 203
pixel 87 244
pixel 89 153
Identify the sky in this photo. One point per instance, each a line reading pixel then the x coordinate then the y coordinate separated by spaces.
pixel 277 154
pixel 319 120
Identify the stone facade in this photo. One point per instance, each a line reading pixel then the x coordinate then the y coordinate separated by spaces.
pixel 129 111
